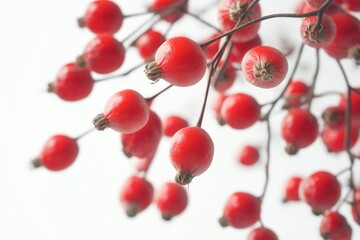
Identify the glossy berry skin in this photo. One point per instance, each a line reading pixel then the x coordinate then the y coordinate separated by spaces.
pixel 229 12
pixel 262 233
pixel 335 227
pixel 334 138
pixel 191 153
pixel 318 36
pixel 174 13
pixel 241 210
pixel 144 142
pixel 217 107
pixel 148 43
pixel 292 189
pixel 355 210
pixel 173 123
pixel 344 45
pixel 58 153
pixel 103 54
pixel 299 129
pixel 179 61
pixel 240 111
pixel 136 195
pixel 295 94
pixel 72 83
pixel 224 77
pixel 264 66
pixel 334 117
pixel 351 5
pixel 321 191
pixel 126 112
pixel 241 48
pixel 249 155
pixel 355 105
pixel 171 200
pixel 102 16
pixel 211 49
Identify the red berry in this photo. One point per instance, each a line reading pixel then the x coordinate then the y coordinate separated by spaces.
pixel 103 54
pixel 355 210
pixel 262 233
pixel 136 195
pixel 241 210
pixel 217 107
pixel 145 141
pixel 211 49
pixel 334 117
pixel 180 61
pixel 170 10
pixel 299 129
pixel 264 66
pixel 317 3
pixel 148 43
pixel 230 11
pixel 351 5
pixel 334 138
pixel 191 153
pixel 223 78
pixel 295 95
pixel 240 111
pixel 321 191
pixel 174 123
pixel 355 105
pixel 292 189
pixel 335 227
pixel 102 17
pixel 58 153
pixel 318 35
pixel 345 45
pixel 126 112
pixel 72 83
pixel 241 48
pixel 171 200
pixel 249 155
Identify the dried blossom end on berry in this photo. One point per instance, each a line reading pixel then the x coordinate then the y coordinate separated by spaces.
pixel 314 33
pixel 80 62
pixel 100 122
pixel 166 217
pixel 263 71
pixel 36 163
pixel 291 149
pixel 183 178
pixel 354 54
pixel 81 22
pixel 237 10
pixel 50 88
pixel 223 222
pixel 131 210
pixel 153 71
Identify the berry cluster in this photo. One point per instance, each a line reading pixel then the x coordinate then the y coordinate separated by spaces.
pixel 234 50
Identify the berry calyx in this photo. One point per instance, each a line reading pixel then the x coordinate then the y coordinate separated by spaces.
pixel 264 66
pixel 318 35
pixel 72 83
pixel 249 155
pixel 148 43
pixel 321 190
pixel 171 200
pixel 102 16
pixel 126 112
pixel 262 233
pixel 191 153
pixel 334 226
pixel 103 54
pixel 58 153
pixel 334 117
pixel 292 189
pixel 179 61
pixel 136 195
pixel 241 210
pixel 174 123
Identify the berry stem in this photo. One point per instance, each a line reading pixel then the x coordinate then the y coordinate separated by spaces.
pixel 84 134
pixel 121 74
pixel 310 95
pixel 150 99
pixel 202 21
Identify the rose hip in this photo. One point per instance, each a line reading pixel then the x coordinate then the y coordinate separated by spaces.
pixel 174 123
pixel 334 226
pixel 262 233
pixel 148 43
pixel 295 95
pixel 249 155
pixel 292 189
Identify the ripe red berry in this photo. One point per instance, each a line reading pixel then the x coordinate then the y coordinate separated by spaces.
pixel 145 141
pixel 126 112
pixel 249 155
pixel 211 49
pixel 170 10
pixel 217 108
pixel 351 5
pixel 171 200
pixel 345 45
pixel 191 153
pixel 318 35
pixel 103 54
pixel 355 210
pixel 229 13
pixel 58 153
pixel 334 138
pixel 292 189
pixel 102 16
pixel 241 210
pixel 299 129
pixel 241 48
pixel 148 43
pixel 72 83
pixel 334 117
pixel 240 111
pixel 355 105
pixel 180 61
pixel 224 77
pixel 264 66
pixel 262 233
pixel 136 195
pixel 174 123
pixel 334 226
pixel 295 95
pixel 321 191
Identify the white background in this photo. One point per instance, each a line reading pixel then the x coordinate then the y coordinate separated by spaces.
pixel 37 38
